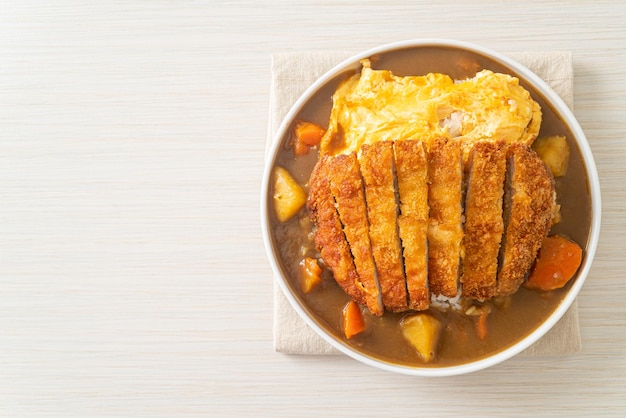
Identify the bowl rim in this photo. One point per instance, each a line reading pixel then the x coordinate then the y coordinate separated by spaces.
pixel 593 180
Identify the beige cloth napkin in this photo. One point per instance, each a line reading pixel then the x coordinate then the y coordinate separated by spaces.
pixel 292 74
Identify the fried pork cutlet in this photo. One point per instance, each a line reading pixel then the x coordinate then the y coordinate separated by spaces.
pixel 411 166
pixel 377 171
pixel 445 229
pixel 483 219
pixel 389 223
pixel 329 237
pixel 347 189
pixel 529 201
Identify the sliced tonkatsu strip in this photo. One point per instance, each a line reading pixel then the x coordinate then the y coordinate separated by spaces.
pixel 378 176
pixel 445 229
pixel 483 219
pixel 347 189
pixel 330 239
pixel 529 202
pixel 411 164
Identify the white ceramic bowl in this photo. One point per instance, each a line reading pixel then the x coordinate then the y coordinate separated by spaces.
pixel 419 57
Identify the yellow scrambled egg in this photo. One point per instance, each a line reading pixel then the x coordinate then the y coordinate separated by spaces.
pixel 376 105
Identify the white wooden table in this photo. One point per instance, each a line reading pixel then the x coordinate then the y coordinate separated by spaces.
pixel 133 279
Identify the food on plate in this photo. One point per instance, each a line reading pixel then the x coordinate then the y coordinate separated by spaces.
pixel 559 259
pixel 422 331
pixel 445 217
pixel 376 105
pixel 411 168
pixel 334 249
pixel 353 321
pixel 310 274
pixel 347 191
pixel 529 203
pixel 305 136
pixel 554 151
pixel 382 202
pixel 427 203
pixel 375 167
pixel 288 196
pixel 480 313
pixel 484 224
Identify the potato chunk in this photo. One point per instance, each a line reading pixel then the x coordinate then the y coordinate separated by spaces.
pixel 310 274
pixel 422 332
pixel 554 152
pixel 289 197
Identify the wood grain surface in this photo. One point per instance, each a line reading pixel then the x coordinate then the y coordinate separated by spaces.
pixel 133 279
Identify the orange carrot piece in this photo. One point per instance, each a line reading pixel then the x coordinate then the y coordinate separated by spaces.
pixel 353 322
pixel 300 148
pixel 481 324
pixel 310 274
pixel 306 134
pixel 557 262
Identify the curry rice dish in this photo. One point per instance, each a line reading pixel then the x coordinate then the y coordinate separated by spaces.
pixel 430 215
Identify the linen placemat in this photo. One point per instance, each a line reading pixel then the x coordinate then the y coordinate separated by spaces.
pixel 292 74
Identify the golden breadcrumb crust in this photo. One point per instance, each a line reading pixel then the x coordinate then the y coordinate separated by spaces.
pixel 445 229
pixel 378 176
pixel 411 165
pixel 483 219
pixel 532 200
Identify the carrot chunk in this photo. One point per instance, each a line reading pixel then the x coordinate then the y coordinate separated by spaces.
pixel 310 274
pixel 300 148
pixel 557 262
pixel 306 135
pixel 480 314
pixel 353 322
pixel 481 324
pixel 308 132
